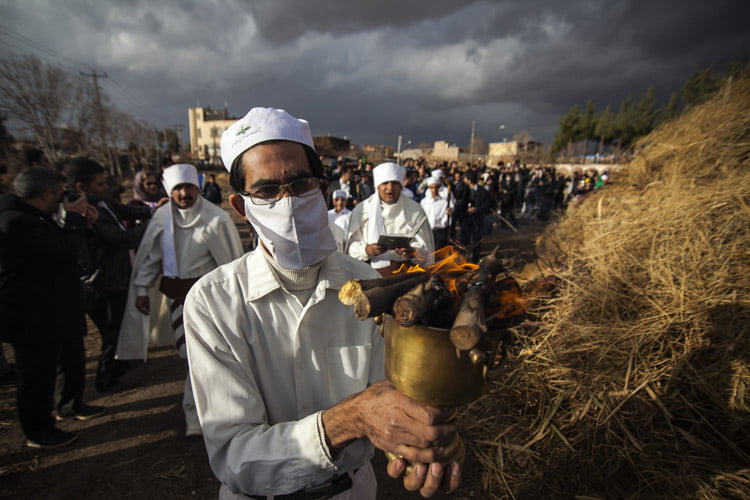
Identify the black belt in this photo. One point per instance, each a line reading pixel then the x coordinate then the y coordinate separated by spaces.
pixel 321 492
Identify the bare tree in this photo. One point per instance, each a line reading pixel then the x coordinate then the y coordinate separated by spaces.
pixel 38 95
pixel 479 146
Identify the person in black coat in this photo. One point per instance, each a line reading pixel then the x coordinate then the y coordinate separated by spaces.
pixel 472 225
pixel 460 193
pixel 110 241
pixel 211 190
pixel 41 308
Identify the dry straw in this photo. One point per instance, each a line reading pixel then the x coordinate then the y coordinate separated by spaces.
pixel 635 381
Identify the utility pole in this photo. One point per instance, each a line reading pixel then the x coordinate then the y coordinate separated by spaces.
pixel 471 143
pixel 398 151
pixel 100 122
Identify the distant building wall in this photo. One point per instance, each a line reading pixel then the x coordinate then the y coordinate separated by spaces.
pixel 511 151
pixel 445 151
pixel 376 153
pixel 206 126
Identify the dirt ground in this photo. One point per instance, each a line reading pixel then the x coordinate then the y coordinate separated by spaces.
pixel 137 449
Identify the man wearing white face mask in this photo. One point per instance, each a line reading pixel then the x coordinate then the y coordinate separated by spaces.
pixel 288 383
pixel 184 240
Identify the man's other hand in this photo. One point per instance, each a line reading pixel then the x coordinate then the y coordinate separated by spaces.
pixel 374 249
pixel 143 304
pixel 427 478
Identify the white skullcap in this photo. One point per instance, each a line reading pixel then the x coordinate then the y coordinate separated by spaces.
pixel 339 193
pixel 388 172
pixel 433 180
pixel 260 125
pixel 437 173
pixel 179 173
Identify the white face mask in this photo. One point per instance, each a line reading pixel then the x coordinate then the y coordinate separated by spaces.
pixel 295 230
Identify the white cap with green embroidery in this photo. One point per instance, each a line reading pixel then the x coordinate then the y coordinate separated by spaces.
pixel 260 125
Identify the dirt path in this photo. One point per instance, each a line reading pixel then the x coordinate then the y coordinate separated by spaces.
pixel 137 449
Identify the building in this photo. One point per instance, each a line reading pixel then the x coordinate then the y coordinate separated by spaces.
pixel 376 153
pixel 206 126
pixel 445 151
pixel 510 151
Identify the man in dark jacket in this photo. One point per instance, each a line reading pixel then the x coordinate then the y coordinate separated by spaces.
pixel 476 211
pixel 347 184
pixel 211 190
pixel 110 243
pixel 460 193
pixel 41 311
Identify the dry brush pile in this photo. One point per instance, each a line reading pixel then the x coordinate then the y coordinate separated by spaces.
pixel 634 382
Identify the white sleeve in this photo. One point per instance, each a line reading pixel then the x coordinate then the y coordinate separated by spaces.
pixel 356 243
pixel 246 453
pixel 148 259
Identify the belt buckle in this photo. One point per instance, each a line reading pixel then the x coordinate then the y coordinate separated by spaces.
pixel 320 492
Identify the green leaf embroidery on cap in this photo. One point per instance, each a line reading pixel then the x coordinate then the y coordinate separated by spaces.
pixel 243 129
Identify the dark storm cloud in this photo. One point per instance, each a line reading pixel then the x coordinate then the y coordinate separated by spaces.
pixel 375 70
pixel 284 20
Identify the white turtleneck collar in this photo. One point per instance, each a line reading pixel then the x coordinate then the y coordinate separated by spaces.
pixel 294 279
pixel 186 217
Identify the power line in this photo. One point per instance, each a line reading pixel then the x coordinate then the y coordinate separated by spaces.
pixel 22 42
pixel 133 100
pixel 40 47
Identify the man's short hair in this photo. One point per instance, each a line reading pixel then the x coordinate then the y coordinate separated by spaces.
pixel 471 176
pixel 237 174
pixel 33 181
pixel 82 170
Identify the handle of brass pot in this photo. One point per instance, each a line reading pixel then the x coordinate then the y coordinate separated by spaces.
pixel 379 321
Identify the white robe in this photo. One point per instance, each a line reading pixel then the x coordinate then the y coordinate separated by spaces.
pixel 405 217
pixel 341 219
pixel 436 210
pixel 205 242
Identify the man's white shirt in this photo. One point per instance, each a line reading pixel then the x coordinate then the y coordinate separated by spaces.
pixel 264 365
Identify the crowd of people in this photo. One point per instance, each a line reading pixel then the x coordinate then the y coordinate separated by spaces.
pixel 285 385
pixel 464 203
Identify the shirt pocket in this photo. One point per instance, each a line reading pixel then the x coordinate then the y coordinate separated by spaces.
pixel 348 370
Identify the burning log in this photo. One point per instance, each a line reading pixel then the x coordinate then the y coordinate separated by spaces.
pixel 428 303
pixel 353 289
pixel 372 300
pixel 470 323
pixel 489 267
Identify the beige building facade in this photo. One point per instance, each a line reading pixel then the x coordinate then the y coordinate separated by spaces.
pixel 206 126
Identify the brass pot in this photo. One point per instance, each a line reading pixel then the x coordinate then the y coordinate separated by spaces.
pixel 421 362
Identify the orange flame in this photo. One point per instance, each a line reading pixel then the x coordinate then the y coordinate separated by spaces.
pixel 451 266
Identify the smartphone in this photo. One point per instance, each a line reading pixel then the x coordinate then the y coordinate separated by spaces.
pixel 72 195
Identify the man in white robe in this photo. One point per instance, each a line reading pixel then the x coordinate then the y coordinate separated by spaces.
pixel 438 210
pixel 339 214
pixel 288 383
pixel 184 240
pixel 386 212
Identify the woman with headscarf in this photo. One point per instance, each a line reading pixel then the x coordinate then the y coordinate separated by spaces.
pixel 148 191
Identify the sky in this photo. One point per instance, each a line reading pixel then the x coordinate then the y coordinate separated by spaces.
pixel 371 71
